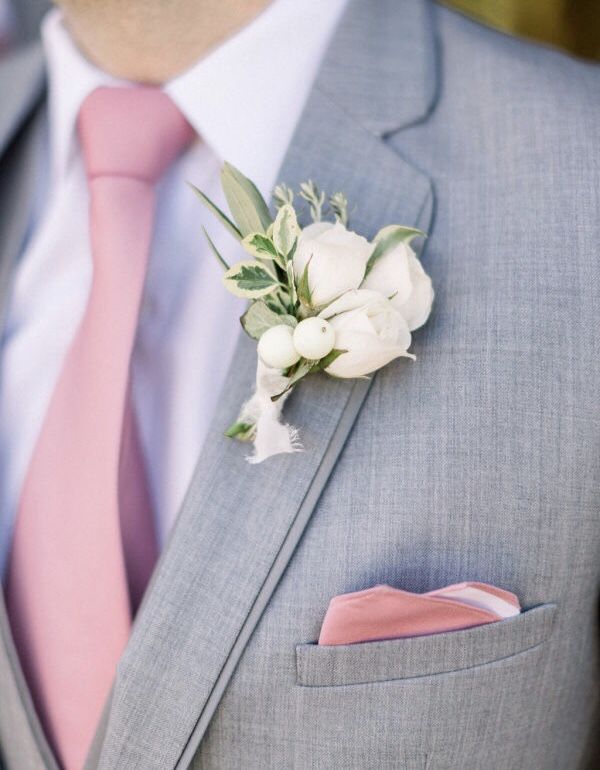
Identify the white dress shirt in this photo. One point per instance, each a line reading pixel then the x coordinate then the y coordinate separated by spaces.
pixel 244 100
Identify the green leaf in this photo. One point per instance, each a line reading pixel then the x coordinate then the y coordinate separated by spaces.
pixel 339 205
pixel 214 249
pixel 259 317
pixel 250 279
pixel 328 360
pixel 291 278
pixel 301 369
pixel 303 288
pixel 315 198
pixel 285 230
pixel 276 303
pixel 388 238
pixel 283 194
pixel 247 206
pixel 214 209
pixel 243 431
pixel 260 246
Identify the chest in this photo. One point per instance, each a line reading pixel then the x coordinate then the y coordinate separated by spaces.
pixel 479 461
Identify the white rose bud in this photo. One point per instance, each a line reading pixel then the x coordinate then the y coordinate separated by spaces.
pixel 399 276
pixel 338 258
pixel 371 331
pixel 314 338
pixel 276 347
pixel 417 307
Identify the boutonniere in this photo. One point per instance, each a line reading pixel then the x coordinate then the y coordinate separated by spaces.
pixel 321 298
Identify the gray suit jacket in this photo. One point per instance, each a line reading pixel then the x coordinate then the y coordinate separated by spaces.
pixel 29 14
pixel 481 461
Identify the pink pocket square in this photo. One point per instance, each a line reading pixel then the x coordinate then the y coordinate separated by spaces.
pixel 383 612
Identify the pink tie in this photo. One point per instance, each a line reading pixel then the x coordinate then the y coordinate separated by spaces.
pixel 84 543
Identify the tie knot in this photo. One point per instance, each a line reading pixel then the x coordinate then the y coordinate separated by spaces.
pixel 133 132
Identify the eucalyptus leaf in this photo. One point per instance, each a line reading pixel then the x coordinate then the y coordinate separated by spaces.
pixel 250 279
pixel 214 249
pixel 247 206
pixel 388 238
pixel 285 230
pixel 259 317
pixel 214 209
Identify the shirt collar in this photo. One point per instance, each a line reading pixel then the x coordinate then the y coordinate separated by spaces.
pixel 71 77
pixel 244 98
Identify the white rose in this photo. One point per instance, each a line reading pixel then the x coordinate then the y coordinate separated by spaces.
pixel 371 331
pixel 338 258
pixel 417 307
pixel 399 275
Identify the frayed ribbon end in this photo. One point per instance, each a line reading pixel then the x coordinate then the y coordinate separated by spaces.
pixel 270 436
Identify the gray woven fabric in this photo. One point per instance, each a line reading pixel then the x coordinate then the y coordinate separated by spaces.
pixel 478 462
pixel 22 744
pixel 29 14
pixel 328 666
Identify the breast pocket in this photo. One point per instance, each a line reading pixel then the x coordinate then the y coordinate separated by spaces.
pixel 362 663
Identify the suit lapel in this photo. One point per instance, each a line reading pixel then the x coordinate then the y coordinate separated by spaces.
pixel 240 523
pixel 20 728
pixel 22 84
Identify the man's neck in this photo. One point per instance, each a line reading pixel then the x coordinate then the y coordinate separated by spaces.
pixel 152 41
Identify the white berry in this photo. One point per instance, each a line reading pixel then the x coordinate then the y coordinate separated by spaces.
pixel 276 347
pixel 314 338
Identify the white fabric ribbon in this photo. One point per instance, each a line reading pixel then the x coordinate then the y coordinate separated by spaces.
pixel 271 436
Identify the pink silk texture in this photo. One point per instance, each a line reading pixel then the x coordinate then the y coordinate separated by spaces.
pixel 84 543
pixel 383 612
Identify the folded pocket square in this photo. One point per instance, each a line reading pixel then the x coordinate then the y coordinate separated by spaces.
pixel 383 612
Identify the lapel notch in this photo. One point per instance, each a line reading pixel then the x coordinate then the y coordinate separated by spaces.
pixel 24 133
pixel 381 65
